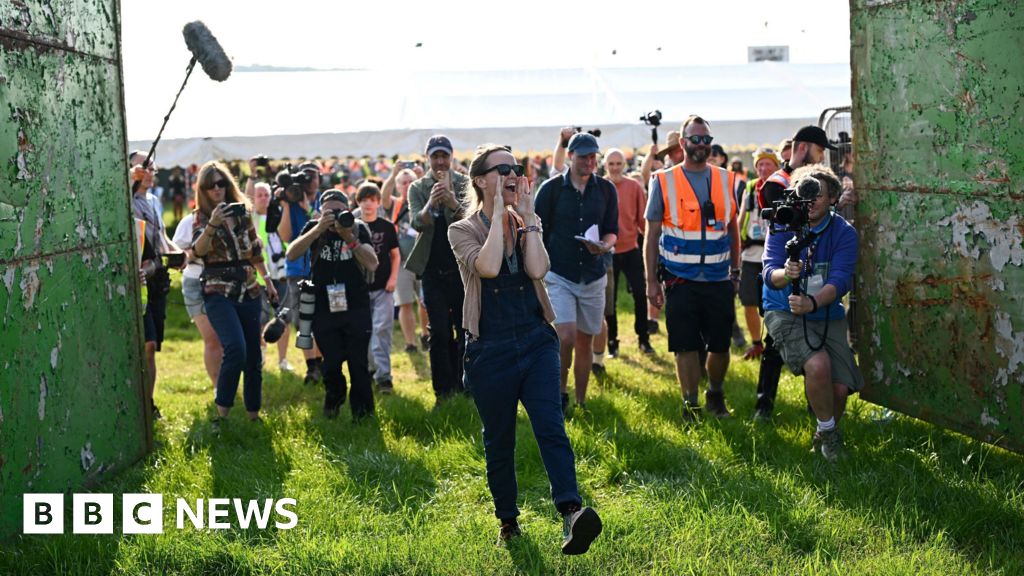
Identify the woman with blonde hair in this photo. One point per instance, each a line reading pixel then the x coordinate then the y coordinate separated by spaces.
pixel 225 238
pixel 512 350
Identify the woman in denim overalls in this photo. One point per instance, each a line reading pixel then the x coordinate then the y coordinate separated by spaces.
pixel 512 351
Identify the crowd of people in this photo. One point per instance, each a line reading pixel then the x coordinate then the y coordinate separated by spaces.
pixel 513 264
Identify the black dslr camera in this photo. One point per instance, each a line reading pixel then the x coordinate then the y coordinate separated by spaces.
pixel 652 119
pixel 293 183
pixel 791 214
pixel 343 218
pixel 792 211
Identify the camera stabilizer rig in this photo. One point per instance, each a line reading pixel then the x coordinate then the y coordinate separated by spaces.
pixel 653 119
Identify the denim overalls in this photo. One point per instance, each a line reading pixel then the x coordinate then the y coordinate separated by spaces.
pixel 515 359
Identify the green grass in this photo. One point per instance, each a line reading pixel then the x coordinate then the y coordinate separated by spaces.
pixel 406 493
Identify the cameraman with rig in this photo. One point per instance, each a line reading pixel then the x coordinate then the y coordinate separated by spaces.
pixel 808 267
pixel 298 192
pixel 805 148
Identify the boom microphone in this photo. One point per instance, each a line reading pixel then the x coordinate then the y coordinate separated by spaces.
pixel 207 51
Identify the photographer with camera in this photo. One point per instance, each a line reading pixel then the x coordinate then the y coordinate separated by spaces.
pixel 808 267
pixel 298 193
pixel 340 249
pixel 693 248
pixel 146 207
pixel 273 256
pixel 806 147
pixel 436 202
pixel 225 238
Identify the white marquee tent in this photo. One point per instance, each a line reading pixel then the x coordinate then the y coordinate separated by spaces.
pixel 356 112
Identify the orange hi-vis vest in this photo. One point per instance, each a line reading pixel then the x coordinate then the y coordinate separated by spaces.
pixel 780 177
pixel 691 247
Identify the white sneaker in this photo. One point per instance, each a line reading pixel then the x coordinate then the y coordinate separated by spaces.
pixel 284 366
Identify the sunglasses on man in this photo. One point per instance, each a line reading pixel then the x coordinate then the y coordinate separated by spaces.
pixel 706 140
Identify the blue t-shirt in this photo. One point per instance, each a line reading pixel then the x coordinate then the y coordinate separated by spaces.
pixel 298 268
pixel 834 256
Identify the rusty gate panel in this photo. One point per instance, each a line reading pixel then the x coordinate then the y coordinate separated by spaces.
pixel 71 385
pixel 938 89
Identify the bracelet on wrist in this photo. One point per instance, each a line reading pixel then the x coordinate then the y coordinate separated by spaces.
pixel 527 229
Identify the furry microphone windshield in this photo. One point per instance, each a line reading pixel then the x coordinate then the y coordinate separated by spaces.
pixel 207 51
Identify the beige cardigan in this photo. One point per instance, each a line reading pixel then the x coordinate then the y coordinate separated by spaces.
pixel 467 237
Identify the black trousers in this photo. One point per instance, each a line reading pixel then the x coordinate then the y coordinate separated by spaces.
pixel 770 369
pixel 443 295
pixel 345 337
pixel 632 265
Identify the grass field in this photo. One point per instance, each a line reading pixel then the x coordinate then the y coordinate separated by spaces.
pixel 405 493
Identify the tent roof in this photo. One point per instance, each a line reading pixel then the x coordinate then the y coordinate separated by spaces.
pixel 329 113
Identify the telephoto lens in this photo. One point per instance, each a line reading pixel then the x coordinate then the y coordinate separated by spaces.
pixel 307 305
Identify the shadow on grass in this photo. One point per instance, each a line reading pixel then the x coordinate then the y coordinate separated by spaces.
pixel 526 556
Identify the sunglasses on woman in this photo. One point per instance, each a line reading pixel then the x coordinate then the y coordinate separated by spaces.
pixel 506 169
pixel 706 140
pixel 222 183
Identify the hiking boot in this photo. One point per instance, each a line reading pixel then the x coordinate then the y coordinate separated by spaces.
pixel 829 443
pixel 691 413
pixel 313 375
pixel 613 348
pixel 508 531
pixel 652 326
pixel 762 414
pixel 754 352
pixel 386 387
pixel 715 402
pixel 579 528
pixel 565 404
pixel 645 348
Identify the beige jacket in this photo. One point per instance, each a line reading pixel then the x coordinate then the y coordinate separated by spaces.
pixel 467 237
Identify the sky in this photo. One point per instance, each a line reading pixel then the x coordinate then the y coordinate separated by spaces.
pixel 461 34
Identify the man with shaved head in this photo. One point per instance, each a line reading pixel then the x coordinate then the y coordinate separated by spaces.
pixel 628 258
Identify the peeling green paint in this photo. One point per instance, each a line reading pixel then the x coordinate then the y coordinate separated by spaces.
pixel 71 400
pixel 938 110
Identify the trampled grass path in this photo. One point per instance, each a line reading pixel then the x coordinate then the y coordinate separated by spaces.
pixel 406 493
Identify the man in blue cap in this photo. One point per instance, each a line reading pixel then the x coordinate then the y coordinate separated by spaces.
pixel 580 214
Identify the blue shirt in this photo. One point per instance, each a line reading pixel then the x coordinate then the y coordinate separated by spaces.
pixel 833 259
pixel 298 268
pixel 566 213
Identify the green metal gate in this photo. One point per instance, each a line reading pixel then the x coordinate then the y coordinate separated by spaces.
pixel 71 386
pixel 938 112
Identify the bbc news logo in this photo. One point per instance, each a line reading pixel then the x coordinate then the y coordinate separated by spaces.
pixel 144 513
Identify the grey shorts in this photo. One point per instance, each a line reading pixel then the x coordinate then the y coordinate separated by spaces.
pixel 577 302
pixel 408 288
pixel 750 288
pixel 788 332
pixel 192 293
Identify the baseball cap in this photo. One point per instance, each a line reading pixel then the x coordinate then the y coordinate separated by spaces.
pixel 334 194
pixel 814 135
pixel 673 144
pixel 438 142
pixel 583 143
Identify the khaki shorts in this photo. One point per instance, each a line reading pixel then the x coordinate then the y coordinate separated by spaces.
pixel 788 332
pixel 575 302
pixel 407 289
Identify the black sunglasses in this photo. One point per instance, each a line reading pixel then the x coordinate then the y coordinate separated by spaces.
pixel 698 139
pixel 505 169
pixel 219 184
